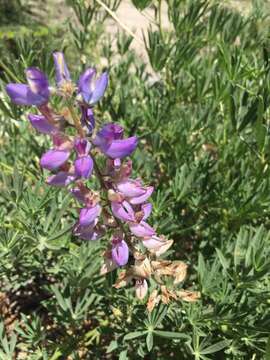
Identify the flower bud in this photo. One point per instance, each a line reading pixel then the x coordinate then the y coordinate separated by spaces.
pixel 141 288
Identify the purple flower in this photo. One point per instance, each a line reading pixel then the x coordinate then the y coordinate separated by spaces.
pixel 92 89
pixel 87 232
pixel 109 140
pixel 89 214
pixel 61 69
pixel 41 124
pixel 123 211
pixel 84 166
pixel 141 229
pixel 84 163
pixel 61 179
pixel 80 194
pixel 136 200
pixel 57 157
pixel 53 159
pixel 147 209
pixel 120 251
pixel 131 188
pixel 120 148
pixel 82 146
pixel 108 133
pixel 35 93
pixel 88 119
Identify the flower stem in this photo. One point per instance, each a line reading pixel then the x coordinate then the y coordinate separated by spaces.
pixel 105 187
pixel 76 121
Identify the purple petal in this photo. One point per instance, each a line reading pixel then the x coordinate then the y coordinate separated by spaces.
pixel 61 179
pixel 41 124
pixel 117 163
pixel 153 242
pixel 107 134
pixel 88 215
pixel 88 119
pixel 120 253
pixel 87 233
pixel 123 211
pixel 84 166
pixel 120 148
pixel 141 199
pixel 111 131
pixel 62 142
pixel 147 209
pixel 38 82
pixel 61 69
pixel 53 159
pixel 99 88
pixel 85 84
pixel 142 229
pixel 78 194
pixel 82 146
pixel 21 94
pixel 131 188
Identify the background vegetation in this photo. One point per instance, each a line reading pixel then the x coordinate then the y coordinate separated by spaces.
pixel 200 104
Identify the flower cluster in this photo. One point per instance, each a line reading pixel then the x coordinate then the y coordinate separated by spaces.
pixel 121 207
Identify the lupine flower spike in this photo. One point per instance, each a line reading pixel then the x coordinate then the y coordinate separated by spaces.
pixel 120 210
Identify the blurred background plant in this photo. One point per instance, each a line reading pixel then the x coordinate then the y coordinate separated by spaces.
pixel 195 89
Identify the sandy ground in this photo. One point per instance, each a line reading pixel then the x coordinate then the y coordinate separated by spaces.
pixel 136 21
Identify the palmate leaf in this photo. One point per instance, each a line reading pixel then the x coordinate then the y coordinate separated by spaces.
pixel 7 345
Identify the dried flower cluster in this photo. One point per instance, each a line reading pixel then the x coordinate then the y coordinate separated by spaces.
pixel 121 207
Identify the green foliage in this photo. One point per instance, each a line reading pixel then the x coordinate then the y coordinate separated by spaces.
pixel 200 107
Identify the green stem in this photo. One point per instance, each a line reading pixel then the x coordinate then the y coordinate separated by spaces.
pixel 160 19
pixel 76 121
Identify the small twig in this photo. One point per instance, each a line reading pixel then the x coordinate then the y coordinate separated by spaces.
pixel 116 18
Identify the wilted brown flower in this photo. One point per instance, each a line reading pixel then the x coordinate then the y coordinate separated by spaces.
pixel 176 269
pixel 167 295
pixel 123 279
pixel 142 268
pixel 190 296
pixel 153 300
pixel 157 245
pixel 179 269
